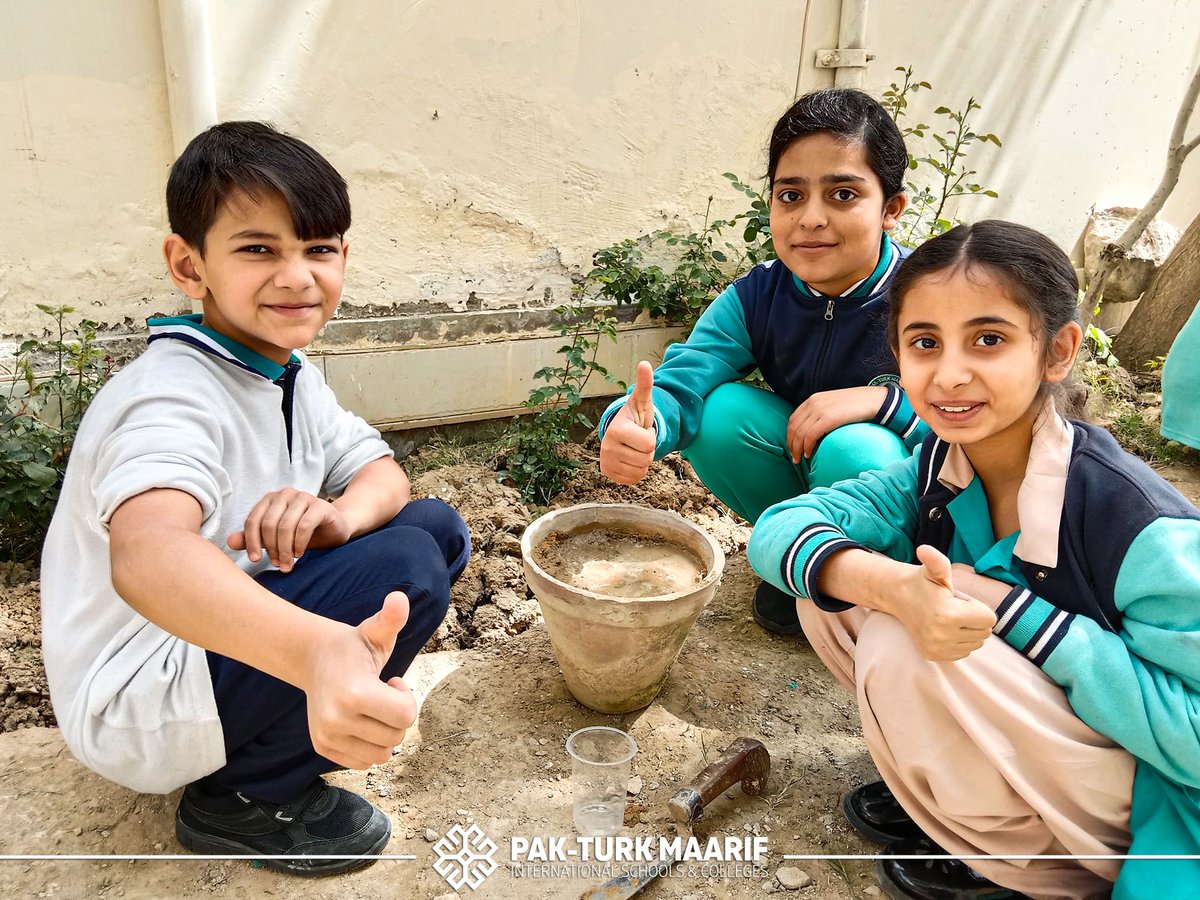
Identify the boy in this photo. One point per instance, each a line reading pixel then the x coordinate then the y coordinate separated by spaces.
pixel 208 618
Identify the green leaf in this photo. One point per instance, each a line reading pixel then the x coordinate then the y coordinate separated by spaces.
pixel 39 474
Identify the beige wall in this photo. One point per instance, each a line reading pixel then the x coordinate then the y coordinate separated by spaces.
pixel 492 147
pixel 1083 93
pixel 85 147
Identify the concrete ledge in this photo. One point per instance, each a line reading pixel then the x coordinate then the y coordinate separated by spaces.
pixel 415 387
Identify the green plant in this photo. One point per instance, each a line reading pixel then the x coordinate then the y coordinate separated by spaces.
pixel 756 235
pixel 702 263
pixel 1096 340
pixel 533 459
pixel 39 417
pixel 1099 344
pixel 945 169
pixel 1143 438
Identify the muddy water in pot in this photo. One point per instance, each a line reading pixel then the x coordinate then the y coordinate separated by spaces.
pixel 619 563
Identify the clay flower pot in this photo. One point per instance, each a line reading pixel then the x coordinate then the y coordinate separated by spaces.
pixel 615 652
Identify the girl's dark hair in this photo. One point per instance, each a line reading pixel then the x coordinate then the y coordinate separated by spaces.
pixel 852 116
pixel 1037 273
pixel 253 158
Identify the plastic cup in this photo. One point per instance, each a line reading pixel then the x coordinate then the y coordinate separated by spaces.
pixel 601 758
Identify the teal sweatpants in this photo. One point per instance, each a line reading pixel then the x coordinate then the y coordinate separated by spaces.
pixel 741 454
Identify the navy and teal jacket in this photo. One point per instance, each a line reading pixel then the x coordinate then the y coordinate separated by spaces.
pixel 802 341
pixel 1116 622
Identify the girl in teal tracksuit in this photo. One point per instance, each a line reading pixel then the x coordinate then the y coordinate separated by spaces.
pixel 811 322
pixel 1024 640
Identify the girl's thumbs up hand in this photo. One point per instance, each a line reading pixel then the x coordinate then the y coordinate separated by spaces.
pixel 642 398
pixel 944 626
pixel 628 445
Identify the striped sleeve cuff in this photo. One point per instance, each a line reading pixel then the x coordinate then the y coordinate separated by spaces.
pixel 896 414
pixel 803 560
pixel 1031 625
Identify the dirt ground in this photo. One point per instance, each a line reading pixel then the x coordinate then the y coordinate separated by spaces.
pixel 488 748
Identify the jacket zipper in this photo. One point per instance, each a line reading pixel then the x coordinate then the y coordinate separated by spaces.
pixel 819 368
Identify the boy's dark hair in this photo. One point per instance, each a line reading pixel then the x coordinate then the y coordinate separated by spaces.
pixel 253 158
pixel 852 116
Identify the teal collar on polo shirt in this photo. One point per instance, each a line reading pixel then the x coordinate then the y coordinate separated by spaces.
pixel 192 330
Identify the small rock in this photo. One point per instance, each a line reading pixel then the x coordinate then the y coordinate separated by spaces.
pixel 430 835
pixel 543 742
pixel 461 812
pixel 635 785
pixel 792 878
pixel 770 887
pixel 159 845
pixel 105 833
pixel 78 832
pixel 872 891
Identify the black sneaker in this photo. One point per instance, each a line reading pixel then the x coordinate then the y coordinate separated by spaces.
pixel 320 821
pixel 874 812
pixel 944 878
pixel 776 611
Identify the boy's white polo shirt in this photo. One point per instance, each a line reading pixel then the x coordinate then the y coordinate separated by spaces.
pixel 196 412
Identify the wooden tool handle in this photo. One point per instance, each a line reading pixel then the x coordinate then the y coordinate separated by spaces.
pixel 745 760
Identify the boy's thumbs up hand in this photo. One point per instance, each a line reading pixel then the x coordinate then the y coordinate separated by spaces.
pixel 380 630
pixel 944 626
pixel 355 719
pixel 628 446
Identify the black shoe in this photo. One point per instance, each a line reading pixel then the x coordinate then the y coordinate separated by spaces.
pixel 933 879
pixel 874 812
pixel 320 821
pixel 776 611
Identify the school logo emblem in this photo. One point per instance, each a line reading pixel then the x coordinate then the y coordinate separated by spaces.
pixel 889 378
pixel 464 857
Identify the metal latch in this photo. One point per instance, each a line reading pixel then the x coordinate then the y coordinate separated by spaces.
pixel 843 59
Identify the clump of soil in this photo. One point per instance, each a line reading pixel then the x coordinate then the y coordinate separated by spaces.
pixel 24 695
pixel 618 563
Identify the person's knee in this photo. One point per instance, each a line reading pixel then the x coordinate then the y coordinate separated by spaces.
pixel 444 525
pixel 723 411
pixel 849 451
pixel 885 653
pixel 409 559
